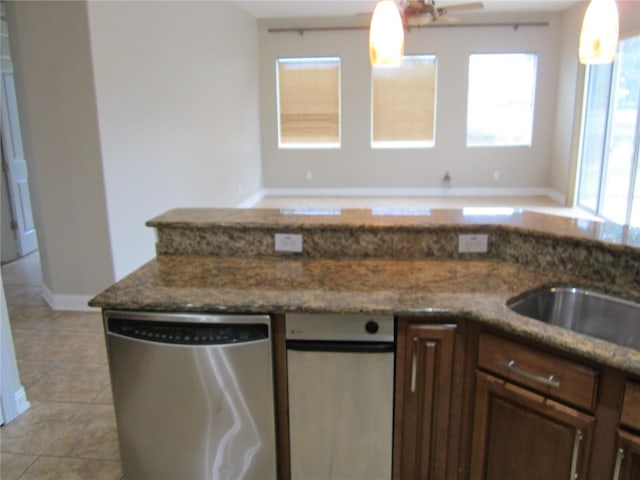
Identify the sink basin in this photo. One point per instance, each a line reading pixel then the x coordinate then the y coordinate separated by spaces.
pixel 584 311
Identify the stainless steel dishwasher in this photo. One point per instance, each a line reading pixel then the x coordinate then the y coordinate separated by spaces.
pixel 340 384
pixel 193 395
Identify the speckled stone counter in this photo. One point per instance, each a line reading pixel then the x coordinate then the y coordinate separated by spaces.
pixel 223 261
pixel 469 218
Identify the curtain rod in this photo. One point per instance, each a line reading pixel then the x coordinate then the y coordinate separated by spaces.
pixel 514 25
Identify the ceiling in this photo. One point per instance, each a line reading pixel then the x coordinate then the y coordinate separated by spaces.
pixel 338 8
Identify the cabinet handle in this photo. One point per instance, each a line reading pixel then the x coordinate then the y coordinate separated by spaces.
pixel 512 367
pixel 616 469
pixel 576 450
pixel 414 363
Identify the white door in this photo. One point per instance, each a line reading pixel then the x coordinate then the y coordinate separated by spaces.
pixel 14 164
pixel 8 244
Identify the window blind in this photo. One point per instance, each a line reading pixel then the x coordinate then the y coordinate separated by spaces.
pixel 403 103
pixel 309 101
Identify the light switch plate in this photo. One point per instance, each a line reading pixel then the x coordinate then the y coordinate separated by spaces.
pixel 288 242
pixel 473 243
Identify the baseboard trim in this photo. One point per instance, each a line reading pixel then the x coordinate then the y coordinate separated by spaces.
pixel 557 196
pixel 14 405
pixel 403 192
pixel 252 200
pixel 22 404
pixel 67 302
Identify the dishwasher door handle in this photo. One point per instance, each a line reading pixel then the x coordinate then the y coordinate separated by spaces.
pixel 340 346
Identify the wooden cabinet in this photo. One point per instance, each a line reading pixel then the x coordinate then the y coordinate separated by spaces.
pixel 424 377
pixel 547 374
pixel 627 465
pixel 628 456
pixel 630 416
pixel 473 404
pixel 524 426
pixel 521 435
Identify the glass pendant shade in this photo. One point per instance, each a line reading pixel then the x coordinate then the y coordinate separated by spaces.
pixel 386 35
pixel 599 34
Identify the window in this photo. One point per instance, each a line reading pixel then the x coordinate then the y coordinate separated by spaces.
pixel 500 99
pixel 308 102
pixel 609 176
pixel 403 104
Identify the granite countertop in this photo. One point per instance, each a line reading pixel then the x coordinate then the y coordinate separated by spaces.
pixel 202 266
pixel 467 218
pixel 474 289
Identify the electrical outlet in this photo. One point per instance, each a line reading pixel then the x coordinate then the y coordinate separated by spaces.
pixel 288 242
pixel 473 243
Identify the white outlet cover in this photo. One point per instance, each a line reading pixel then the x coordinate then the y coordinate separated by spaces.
pixel 473 243
pixel 288 242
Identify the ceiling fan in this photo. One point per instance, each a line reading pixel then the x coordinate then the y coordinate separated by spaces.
pixel 421 12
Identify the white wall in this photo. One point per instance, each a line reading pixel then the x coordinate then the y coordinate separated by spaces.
pixel 571 75
pixel 171 120
pixel 356 165
pixel 629 11
pixel 177 95
pixel 54 88
pixel 568 106
pixel 129 109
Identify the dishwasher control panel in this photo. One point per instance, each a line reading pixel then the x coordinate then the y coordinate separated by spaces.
pixel 187 334
pixel 340 327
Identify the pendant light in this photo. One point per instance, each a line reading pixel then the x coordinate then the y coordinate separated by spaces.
pixel 386 35
pixel 599 34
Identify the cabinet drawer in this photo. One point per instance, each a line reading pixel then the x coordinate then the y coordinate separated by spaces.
pixel 631 406
pixel 542 372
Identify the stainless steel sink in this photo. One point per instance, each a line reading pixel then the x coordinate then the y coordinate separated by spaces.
pixel 584 311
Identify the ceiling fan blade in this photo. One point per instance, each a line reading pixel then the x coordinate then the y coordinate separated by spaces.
pixel 447 19
pixel 418 20
pixel 461 6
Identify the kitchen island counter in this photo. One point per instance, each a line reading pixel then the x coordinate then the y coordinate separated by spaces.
pixel 475 289
pixel 223 260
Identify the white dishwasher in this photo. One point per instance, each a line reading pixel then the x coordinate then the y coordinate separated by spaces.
pixel 340 385
pixel 193 395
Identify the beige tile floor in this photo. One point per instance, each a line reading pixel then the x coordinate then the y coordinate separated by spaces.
pixel 69 432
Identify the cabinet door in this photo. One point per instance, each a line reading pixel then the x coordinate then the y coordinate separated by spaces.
pixel 520 435
pixel 424 390
pixel 628 457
